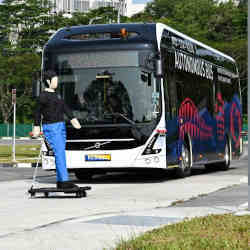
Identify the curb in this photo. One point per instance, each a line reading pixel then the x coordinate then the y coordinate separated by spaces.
pixel 24 165
pixel 19 165
pixel 6 165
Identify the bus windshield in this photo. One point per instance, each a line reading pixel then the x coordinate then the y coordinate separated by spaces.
pixel 114 94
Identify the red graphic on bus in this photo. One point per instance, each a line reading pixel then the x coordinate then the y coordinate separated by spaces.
pixel 220 118
pixel 191 122
pixel 235 114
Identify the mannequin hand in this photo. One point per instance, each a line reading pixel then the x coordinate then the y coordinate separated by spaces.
pixel 75 123
pixel 36 131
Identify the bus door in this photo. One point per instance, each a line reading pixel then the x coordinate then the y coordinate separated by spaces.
pixel 171 114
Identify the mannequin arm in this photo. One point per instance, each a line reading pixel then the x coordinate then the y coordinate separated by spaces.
pixel 75 123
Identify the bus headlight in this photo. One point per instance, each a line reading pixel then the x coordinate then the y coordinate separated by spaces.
pixel 154 146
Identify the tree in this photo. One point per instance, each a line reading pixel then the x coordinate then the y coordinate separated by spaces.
pixel 243 3
pixel 78 18
pixel 222 25
pixel 191 17
pixel 228 23
pixel 228 33
pixel 16 72
pixel 104 15
pixel 101 15
pixel 24 28
pixel 162 8
pixel 27 23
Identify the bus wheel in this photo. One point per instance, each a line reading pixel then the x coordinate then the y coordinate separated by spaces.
pixel 227 157
pixel 184 168
pixel 83 175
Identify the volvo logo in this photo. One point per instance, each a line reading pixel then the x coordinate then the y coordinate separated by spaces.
pixel 97 145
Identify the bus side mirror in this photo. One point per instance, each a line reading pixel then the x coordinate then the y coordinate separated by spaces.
pixel 36 85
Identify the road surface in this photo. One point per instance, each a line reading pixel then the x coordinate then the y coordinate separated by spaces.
pixel 118 206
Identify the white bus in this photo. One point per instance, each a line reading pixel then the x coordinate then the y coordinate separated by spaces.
pixel 147 96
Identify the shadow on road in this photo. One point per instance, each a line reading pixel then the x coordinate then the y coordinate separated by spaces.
pixel 124 177
pixel 133 177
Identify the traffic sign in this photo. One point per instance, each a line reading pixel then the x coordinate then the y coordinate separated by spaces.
pixel 13 96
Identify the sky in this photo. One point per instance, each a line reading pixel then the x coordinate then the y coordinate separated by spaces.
pixel 138 1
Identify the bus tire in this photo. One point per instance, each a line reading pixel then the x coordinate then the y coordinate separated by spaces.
pixel 185 164
pixel 83 175
pixel 227 157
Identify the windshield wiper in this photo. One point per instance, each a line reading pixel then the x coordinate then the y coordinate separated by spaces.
pixel 136 132
pixel 124 117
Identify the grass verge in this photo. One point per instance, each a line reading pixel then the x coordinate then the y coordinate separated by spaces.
pixel 24 153
pixel 213 232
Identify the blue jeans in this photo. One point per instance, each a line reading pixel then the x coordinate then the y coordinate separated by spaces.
pixel 55 134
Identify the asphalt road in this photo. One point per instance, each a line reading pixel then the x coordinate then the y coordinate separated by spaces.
pixel 119 205
pixel 8 173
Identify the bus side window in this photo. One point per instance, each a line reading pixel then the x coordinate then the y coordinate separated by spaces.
pixel 205 94
pixel 172 95
pixel 227 91
pixel 167 104
pixel 179 89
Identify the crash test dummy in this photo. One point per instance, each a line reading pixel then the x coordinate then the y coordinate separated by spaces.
pixel 50 110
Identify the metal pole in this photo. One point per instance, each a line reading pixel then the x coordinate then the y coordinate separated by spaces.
pixel 14 126
pixel 14 134
pixel 119 11
pixel 118 15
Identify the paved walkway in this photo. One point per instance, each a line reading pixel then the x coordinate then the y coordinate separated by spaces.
pixel 104 230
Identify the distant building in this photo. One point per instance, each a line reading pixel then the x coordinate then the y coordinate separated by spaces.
pixel 71 6
pixel 127 7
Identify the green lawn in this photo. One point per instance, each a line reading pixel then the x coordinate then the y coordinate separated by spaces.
pixel 214 232
pixel 24 153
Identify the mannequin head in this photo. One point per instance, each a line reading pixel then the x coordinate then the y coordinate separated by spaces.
pixel 53 82
pixel 51 79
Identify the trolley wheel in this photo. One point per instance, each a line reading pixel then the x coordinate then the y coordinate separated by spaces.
pixel 79 194
pixel 32 194
pixel 83 193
